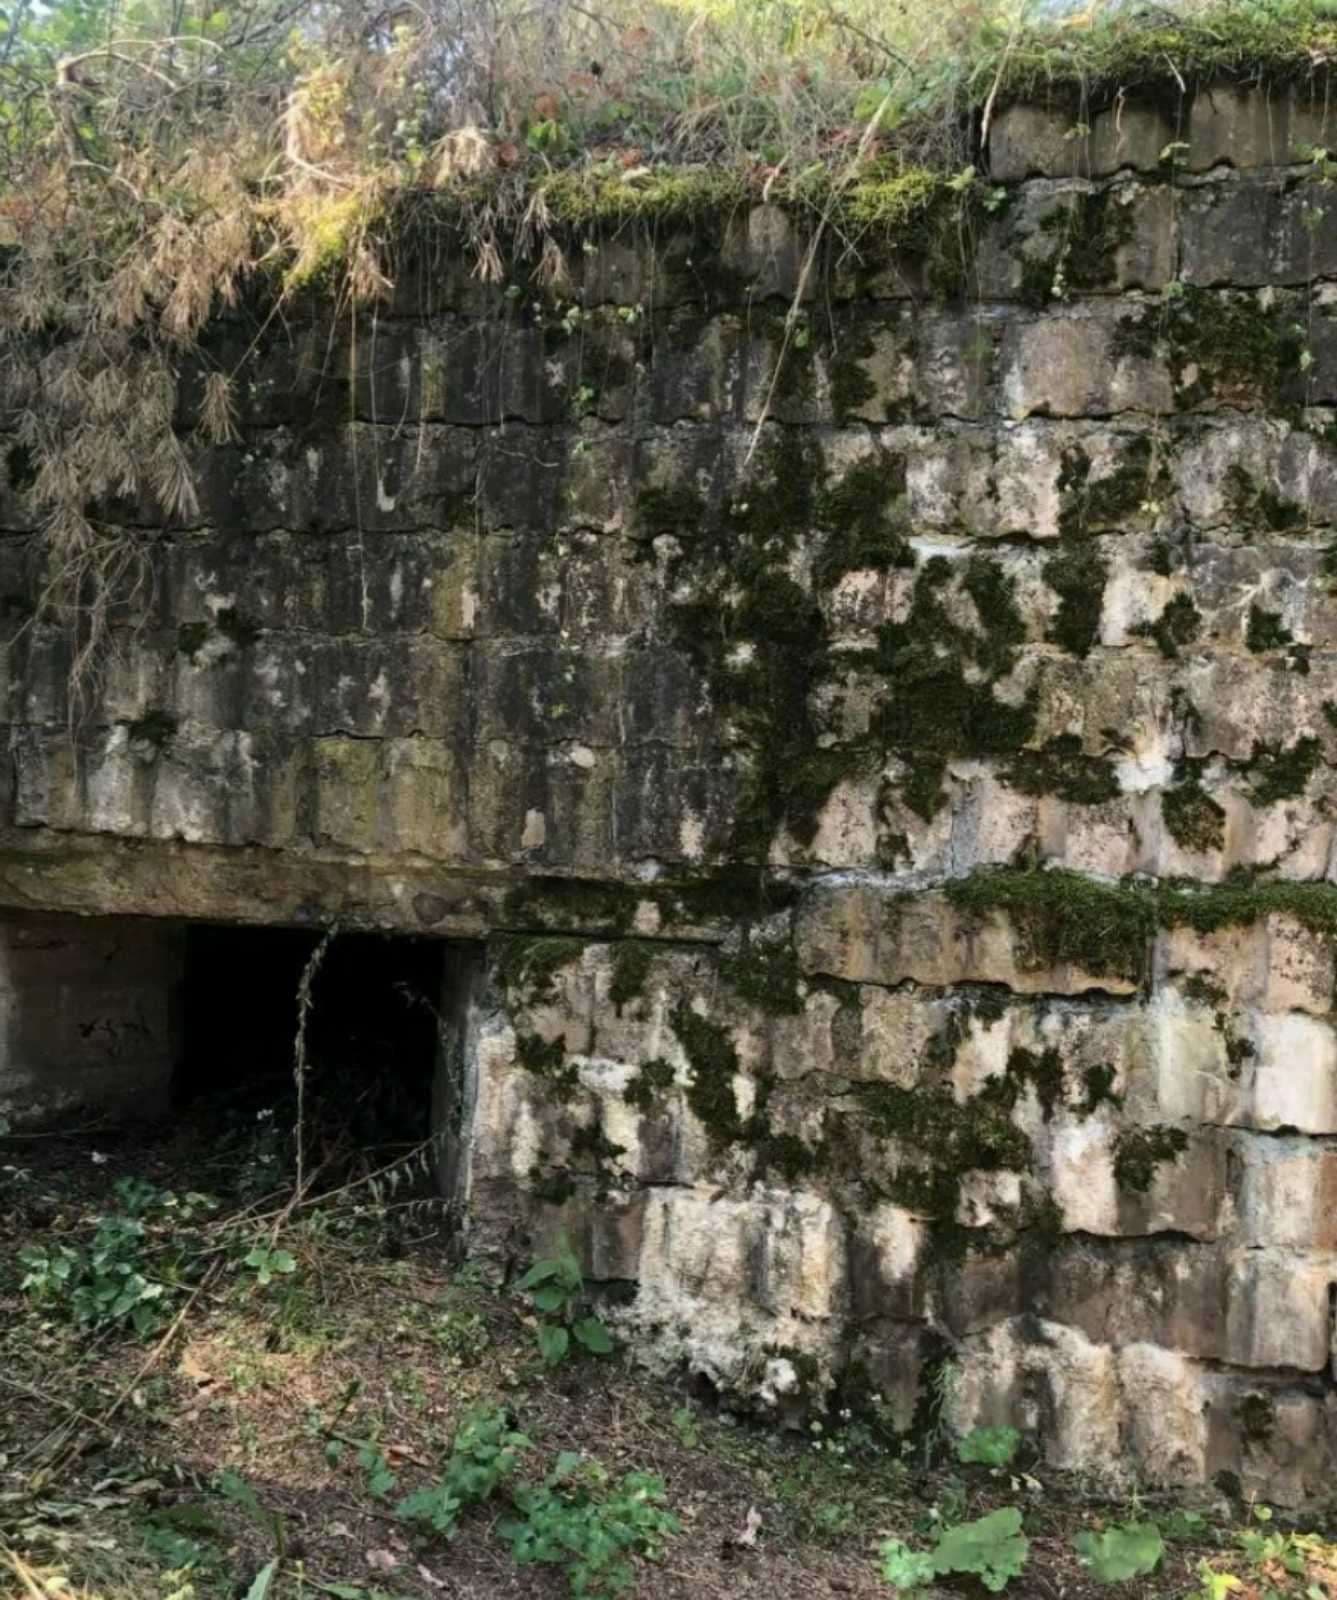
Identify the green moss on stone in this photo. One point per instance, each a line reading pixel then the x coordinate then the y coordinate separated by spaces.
pixel 156 728
pixel 1082 236
pixel 763 969
pixel 1138 1152
pixel 668 509
pixel 1282 772
pixel 546 1059
pixel 592 905
pixel 1098 1089
pixel 1043 1071
pixel 931 705
pixel 921 789
pixel 632 960
pixel 863 515
pixel 714 1066
pixel 191 638
pixel 1175 629
pixel 1266 630
pixel 1258 505
pixel 1192 818
pixel 1219 346
pixel 1063 917
pixel 526 966
pixel 1077 577
pixel 653 1079
pixel 941 1140
pixel 1061 768
pixel 1257 1418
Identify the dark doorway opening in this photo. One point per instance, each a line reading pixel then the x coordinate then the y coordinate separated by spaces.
pixel 372 1031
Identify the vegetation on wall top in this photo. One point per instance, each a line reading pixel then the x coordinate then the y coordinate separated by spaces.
pixel 156 158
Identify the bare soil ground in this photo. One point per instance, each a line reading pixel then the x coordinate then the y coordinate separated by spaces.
pixel 362 1360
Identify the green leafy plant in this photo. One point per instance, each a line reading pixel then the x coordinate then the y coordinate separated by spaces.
pixel 556 1288
pixel 483 1456
pixel 267 1263
pixel 905 1569
pixel 989 1447
pixel 104 1286
pixel 580 1519
pixel 1123 1550
pixel 381 1476
pixel 993 1548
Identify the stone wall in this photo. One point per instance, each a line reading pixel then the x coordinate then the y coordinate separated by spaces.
pixel 893 783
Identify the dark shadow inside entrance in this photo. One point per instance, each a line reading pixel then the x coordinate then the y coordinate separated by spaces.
pixel 372 1033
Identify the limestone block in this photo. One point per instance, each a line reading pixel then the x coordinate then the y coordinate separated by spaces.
pixel 697 371
pixel 1277 1310
pixel 1066 365
pixel 1155 1290
pixel 1251 700
pixel 1250 234
pixel 1027 253
pixel 1166 1432
pixel 1276 1440
pixel 885 1250
pixel 893 1357
pixel 1287 1193
pixel 1311 119
pixel 1276 964
pixel 949 479
pixel 604 1230
pixel 1043 1378
pixel 767 245
pixel 1290 1081
pixel 1188 1074
pixel 726 1279
pixel 1238 127
pixel 1185 1193
pixel 1025 141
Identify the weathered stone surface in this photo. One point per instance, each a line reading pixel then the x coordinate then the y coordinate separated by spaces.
pixel 689 684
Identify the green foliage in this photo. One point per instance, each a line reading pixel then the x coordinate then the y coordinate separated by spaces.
pixel 903 1568
pixel 267 1263
pixel 989 1447
pixel 556 1288
pixel 1123 1550
pixel 110 1283
pixel 483 1456
pixel 993 1548
pixel 582 1520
